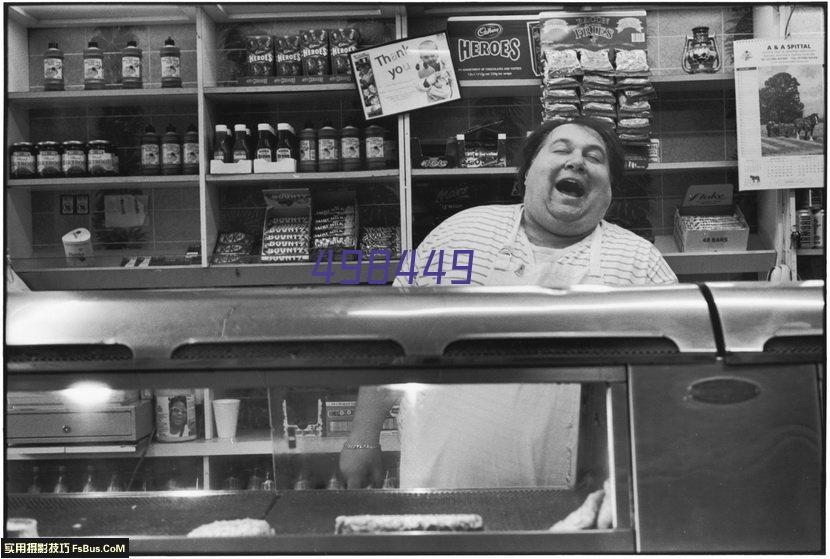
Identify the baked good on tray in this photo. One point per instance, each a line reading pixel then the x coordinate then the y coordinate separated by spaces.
pixel 369 523
pixel 240 527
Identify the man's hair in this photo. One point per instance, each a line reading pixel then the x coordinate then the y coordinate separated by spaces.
pixel 613 148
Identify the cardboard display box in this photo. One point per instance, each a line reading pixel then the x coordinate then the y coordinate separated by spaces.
pixel 291 204
pixel 709 221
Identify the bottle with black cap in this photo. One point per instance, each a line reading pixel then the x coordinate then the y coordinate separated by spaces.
pixel 190 151
pixel 93 66
pixel 131 66
pixel 171 152
pixel 53 68
pixel 150 152
pixel 171 64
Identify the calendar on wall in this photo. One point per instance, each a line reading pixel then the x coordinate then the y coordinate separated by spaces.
pixel 781 113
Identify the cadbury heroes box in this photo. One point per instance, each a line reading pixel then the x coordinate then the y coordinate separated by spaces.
pixel 495 47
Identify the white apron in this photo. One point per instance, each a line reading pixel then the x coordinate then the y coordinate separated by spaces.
pixel 497 435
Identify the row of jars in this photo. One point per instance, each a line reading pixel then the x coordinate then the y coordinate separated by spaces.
pixel 72 158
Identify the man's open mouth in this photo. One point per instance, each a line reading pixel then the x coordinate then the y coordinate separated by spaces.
pixel 570 187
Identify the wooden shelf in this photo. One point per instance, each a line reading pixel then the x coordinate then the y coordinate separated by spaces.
pixel 104 97
pixel 276 93
pixel 109 182
pixel 682 82
pixel 653 168
pixel 810 252
pixel 266 179
pixel 255 443
pixel 171 277
pixel 757 259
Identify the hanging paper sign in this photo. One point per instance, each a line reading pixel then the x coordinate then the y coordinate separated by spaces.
pixel 405 75
pixel 781 113
pixel 495 47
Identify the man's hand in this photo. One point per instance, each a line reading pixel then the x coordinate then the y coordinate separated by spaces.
pixel 595 512
pixel 361 467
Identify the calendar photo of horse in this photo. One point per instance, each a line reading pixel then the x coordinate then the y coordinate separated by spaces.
pixel 788 98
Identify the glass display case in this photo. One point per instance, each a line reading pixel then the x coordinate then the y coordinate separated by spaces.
pixel 696 409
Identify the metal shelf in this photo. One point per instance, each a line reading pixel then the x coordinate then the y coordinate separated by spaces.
pixel 108 182
pixel 276 93
pixel 104 97
pixel 254 443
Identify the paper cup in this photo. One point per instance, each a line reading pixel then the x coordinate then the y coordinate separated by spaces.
pixel 77 245
pixel 225 413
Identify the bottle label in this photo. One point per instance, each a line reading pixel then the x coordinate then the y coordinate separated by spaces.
pixel 48 160
pixel 74 159
pixel 374 147
pixel 308 151
pixel 131 67
pixel 170 67
pixel 239 155
pixel 93 69
pixel 350 148
pixel 328 149
pixel 52 69
pixel 283 153
pixel 171 154
pixel 263 154
pixel 190 155
pixel 23 162
pixel 149 155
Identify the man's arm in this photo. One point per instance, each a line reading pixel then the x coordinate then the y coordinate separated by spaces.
pixel 360 460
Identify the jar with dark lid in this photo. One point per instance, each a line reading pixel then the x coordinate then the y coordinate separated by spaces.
pixel 308 148
pixel 150 151
pixel 22 164
pixel 131 71
pixel 73 159
pixel 53 68
pixel 49 159
pixel 328 148
pixel 171 152
pixel 99 158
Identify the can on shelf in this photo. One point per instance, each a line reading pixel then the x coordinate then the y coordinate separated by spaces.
pixel 818 229
pixel 48 156
pixel 806 227
pixel 73 159
pixel 175 415
pixel 22 160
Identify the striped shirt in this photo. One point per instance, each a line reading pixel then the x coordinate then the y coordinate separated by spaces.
pixel 626 258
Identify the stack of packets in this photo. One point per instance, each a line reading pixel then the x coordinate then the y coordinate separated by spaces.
pixel 335 228
pixel 380 238
pixel 285 239
pixel 232 247
pixel 592 67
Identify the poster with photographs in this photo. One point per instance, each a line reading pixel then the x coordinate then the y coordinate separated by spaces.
pixel 781 112
pixel 405 75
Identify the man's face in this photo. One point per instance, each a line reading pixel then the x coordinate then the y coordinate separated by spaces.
pixel 568 185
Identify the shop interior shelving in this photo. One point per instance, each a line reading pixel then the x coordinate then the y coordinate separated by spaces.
pixel 209 96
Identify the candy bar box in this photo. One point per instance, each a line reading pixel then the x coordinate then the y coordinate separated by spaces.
pixel 709 221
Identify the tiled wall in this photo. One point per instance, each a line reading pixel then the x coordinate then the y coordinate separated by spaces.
pixel 149 38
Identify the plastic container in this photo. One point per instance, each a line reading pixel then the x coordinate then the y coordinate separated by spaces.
pixel 73 159
pixel 286 142
pixel 175 415
pixel 150 152
pixel 350 148
pixel 190 151
pixel 328 149
pixel 131 73
pixel 374 147
pixel 171 152
pixel 222 149
pixel 99 158
pixel 308 149
pixel 241 151
pixel 93 66
pixel 53 68
pixel 266 142
pixel 22 160
pixel 171 64
pixel 77 246
pixel 48 155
